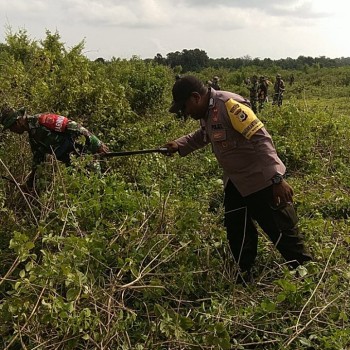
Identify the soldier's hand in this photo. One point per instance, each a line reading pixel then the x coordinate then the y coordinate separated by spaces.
pixel 103 149
pixel 172 147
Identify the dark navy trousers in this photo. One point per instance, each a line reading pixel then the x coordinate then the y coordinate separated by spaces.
pixel 279 223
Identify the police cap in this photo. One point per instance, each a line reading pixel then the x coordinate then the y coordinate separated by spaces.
pixel 182 90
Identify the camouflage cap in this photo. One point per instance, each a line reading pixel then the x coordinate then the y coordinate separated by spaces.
pixel 8 116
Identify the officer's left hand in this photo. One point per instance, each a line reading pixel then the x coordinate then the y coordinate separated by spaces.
pixel 282 193
pixel 172 147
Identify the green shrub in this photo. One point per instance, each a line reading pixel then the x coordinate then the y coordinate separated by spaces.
pixel 137 258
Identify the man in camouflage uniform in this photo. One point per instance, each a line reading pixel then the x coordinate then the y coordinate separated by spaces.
pixel 262 92
pixel 291 79
pixel 279 88
pixel 215 83
pixel 253 93
pixel 51 134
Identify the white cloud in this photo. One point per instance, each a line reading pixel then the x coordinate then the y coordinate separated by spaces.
pixel 130 14
pixel 281 8
pixel 23 6
pixel 224 28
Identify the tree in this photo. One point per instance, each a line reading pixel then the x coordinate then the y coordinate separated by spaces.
pixel 159 59
pixel 190 60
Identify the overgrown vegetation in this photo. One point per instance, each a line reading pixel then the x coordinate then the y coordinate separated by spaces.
pixel 138 258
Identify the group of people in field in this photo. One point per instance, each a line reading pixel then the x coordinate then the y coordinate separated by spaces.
pixel 255 185
pixel 258 91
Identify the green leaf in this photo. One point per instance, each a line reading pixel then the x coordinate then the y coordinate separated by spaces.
pixel 220 328
pixel 302 270
pixel 29 266
pixel 281 297
pixel 17 285
pixel 29 245
pixel 268 306
pixel 305 342
pixel 224 343
pixel 186 323
pixel 72 294
pixel 64 314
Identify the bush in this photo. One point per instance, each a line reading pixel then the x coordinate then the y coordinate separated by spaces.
pixel 137 258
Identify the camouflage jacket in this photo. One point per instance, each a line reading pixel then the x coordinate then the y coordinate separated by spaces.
pixel 262 90
pixel 215 86
pixel 45 141
pixel 253 90
pixel 279 86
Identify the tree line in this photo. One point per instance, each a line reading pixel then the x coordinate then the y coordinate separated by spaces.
pixel 196 60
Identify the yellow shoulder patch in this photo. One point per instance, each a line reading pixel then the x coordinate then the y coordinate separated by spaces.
pixel 243 118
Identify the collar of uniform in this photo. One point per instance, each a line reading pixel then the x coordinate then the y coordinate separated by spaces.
pixel 211 102
pixel 33 121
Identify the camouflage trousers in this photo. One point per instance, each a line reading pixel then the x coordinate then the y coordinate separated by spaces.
pixel 277 99
pixel 254 103
pixel 262 102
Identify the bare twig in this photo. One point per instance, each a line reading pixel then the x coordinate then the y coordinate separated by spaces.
pixel 318 284
pixel 30 316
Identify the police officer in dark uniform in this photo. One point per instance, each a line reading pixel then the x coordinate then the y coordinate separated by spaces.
pixel 254 175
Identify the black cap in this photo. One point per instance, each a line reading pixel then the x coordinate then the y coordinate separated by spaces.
pixel 182 90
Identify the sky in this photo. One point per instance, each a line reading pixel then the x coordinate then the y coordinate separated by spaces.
pixel 222 28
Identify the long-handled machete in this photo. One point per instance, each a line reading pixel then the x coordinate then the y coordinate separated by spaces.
pixel 129 153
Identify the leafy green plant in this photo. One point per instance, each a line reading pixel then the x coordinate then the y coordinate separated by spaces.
pixel 137 258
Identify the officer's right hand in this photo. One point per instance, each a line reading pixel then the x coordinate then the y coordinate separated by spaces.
pixel 172 147
pixel 282 193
